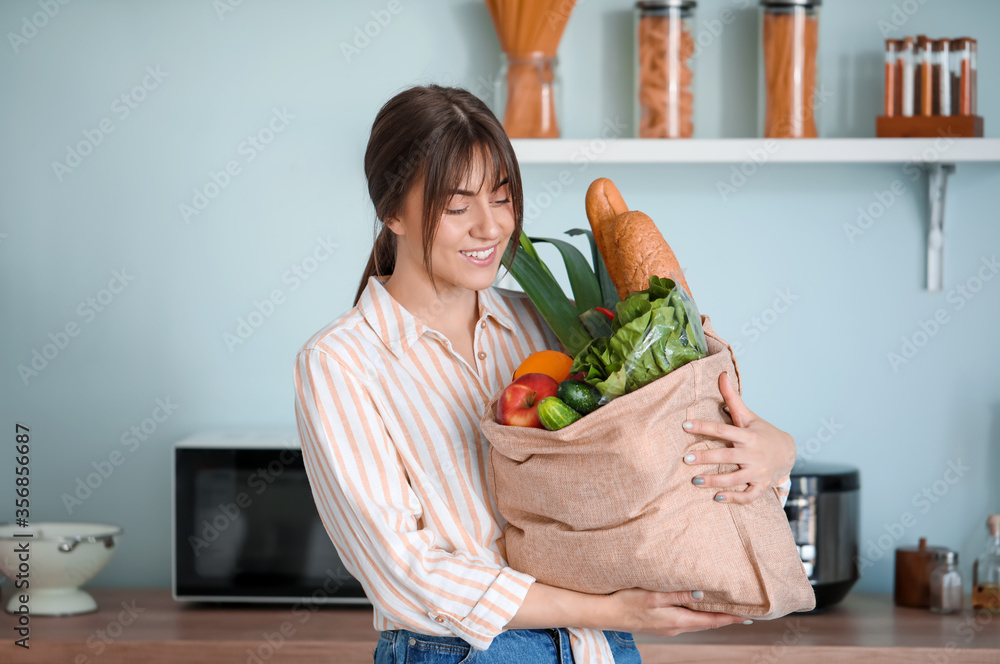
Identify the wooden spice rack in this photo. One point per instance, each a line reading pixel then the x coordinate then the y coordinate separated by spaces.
pixel 933 126
pixel 937 157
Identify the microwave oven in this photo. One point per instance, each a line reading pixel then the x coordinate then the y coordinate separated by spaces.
pixel 245 526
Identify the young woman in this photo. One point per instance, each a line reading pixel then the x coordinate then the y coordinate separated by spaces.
pixel 388 400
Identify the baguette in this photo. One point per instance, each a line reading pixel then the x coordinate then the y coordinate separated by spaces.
pixel 604 204
pixel 642 253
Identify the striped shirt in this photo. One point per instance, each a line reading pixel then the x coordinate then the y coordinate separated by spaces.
pixel 388 415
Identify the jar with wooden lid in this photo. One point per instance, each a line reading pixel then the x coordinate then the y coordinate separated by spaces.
pixel 664 53
pixel 788 70
pixel 912 584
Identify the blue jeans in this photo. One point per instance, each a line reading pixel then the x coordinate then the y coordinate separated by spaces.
pixel 524 646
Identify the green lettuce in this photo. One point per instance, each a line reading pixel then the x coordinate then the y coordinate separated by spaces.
pixel 654 331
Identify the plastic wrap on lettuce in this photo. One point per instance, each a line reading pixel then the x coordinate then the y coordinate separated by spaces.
pixel 654 331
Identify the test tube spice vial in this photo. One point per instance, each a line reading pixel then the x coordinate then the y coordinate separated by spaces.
pixel 891 58
pixel 942 75
pixel 934 46
pixel 898 104
pixel 964 74
pixel 925 77
pixel 956 75
pixel 973 85
pixel 908 79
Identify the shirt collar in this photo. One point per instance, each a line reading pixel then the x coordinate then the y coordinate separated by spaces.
pixel 399 329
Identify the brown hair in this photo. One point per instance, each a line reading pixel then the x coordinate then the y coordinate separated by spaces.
pixel 432 132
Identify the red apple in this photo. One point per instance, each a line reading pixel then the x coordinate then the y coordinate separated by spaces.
pixel 518 405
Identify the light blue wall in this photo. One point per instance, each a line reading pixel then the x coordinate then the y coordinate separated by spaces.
pixel 162 337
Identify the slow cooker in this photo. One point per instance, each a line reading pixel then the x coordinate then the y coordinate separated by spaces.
pixel 823 510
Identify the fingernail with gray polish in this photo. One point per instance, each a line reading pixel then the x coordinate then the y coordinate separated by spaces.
pixel 689 458
pixel 697 594
pixel 747 622
pixel 720 498
pixel 698 480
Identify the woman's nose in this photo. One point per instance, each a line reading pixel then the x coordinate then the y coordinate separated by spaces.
pixel 487 226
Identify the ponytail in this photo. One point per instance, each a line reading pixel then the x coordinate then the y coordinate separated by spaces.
pixel 382 260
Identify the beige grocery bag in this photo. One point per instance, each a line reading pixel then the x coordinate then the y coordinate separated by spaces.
pixel 607 502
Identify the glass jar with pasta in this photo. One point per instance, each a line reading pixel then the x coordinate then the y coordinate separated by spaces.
pixel 528 96
pixel 788 72
pixel 664 50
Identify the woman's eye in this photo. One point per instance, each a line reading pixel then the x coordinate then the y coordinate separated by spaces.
pixel 450 211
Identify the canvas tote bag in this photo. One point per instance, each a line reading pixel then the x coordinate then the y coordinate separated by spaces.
pixel 607 502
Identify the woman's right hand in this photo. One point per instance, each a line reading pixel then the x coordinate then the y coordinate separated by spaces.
pixel 651 612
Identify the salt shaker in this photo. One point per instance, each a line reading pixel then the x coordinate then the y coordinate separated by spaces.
pixel 946 585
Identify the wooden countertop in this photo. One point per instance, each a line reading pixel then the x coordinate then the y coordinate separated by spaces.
pixel 863 628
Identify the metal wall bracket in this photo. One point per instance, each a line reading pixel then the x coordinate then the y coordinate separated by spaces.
pixel 937 187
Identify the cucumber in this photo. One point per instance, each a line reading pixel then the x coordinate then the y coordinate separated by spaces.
pixel 579 395
pixel 554 414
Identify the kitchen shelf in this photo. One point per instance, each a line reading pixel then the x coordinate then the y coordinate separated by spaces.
pixel 937 157
pixel 736 150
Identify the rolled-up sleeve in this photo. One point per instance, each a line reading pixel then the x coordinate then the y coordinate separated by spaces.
pixel 375 518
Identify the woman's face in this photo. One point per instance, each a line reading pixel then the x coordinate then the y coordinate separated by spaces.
pixel 474 221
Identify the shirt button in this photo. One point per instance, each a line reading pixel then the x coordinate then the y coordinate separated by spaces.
pixel 439 619
pixel 482 355
pixel 483 325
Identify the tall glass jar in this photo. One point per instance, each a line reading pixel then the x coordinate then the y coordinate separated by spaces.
pixel 986 570
pixel 664 50
pixel 788 73
pixel 527 95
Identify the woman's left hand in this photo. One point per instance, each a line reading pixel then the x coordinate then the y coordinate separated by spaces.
pixel 764 453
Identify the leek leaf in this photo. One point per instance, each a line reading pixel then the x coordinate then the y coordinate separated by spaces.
pixel 609 293
pixel 586 290
pixel 548 297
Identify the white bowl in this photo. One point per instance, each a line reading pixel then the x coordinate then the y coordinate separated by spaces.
pixel 61 557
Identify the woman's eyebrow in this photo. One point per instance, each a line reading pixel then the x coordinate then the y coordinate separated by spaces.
pixel 465 192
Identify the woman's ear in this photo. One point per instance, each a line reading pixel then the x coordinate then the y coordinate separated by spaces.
pixel 394 225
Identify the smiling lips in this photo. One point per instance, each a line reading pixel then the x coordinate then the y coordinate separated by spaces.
pixel 480 255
